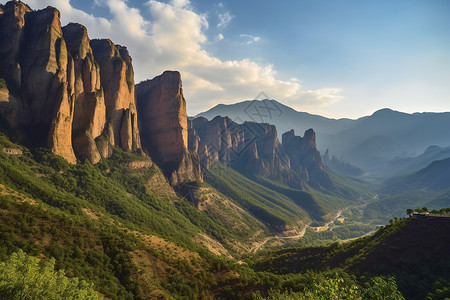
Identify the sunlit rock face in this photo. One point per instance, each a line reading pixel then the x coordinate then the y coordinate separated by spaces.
pixel 117 80
pixel 61 90
pixel 164 126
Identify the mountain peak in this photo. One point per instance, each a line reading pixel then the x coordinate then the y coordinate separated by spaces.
pixel 383 111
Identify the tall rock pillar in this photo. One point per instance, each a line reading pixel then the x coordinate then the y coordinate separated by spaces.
pixel 164 126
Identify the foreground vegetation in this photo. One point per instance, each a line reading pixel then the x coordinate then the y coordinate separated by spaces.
pixel 26 277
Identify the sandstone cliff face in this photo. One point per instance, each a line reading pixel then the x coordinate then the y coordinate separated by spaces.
pixel 196 145
pixel 12 21
pixel 89 110
pixel 58 95
pixel 117 79
pixel 164 126
pixel 250 147
pixel 254 148
pixel 39 77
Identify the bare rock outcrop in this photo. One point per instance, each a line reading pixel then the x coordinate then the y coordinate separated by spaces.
pixel 57 91
pixel 305 158
pixel 12 21
pixel 254 148
pixel 196 145
pixel 117 79
pixel 89 110
pixel 38 74
pixel 164 126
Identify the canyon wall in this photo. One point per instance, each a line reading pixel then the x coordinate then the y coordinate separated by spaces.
pixel 61 90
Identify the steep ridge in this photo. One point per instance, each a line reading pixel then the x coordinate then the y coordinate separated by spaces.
pixel 61 92
pixel 164 126
pixel 369 142
pixel 254 148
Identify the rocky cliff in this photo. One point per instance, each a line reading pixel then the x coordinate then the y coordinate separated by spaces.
pixel 305 159
pixel 89 108
pixel 254 148
pixel 62 90
pixel 117 79
pixel 164 126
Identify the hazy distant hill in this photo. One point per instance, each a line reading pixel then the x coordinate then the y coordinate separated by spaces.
pixel 435 177
pixel 412 164
pixel 387 134
pixel 428 187
pixel 368 142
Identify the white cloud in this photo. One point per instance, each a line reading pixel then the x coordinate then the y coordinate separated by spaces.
pixel 224 19
pixel 219 37
pixel 250 39
pixel 311 99
pixel 173 39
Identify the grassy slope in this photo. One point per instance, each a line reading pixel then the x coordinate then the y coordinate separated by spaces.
pixel 272 208
pixel 282 207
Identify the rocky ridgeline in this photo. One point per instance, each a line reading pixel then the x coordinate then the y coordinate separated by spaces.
pixel 254 148
pixel 76 96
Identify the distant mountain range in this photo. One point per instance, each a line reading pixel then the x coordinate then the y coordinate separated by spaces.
pixel 400 165
pixel 370 142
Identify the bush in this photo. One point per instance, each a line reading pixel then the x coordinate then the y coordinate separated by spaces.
pixel 26 277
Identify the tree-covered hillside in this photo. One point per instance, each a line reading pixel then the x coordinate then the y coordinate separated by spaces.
pixel 119 227
pixel 415 251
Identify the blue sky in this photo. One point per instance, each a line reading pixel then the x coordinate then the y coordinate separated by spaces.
pixel 336 58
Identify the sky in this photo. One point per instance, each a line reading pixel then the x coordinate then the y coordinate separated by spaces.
pixel 337 58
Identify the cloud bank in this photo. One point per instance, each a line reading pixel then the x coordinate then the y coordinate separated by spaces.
pixel 172 36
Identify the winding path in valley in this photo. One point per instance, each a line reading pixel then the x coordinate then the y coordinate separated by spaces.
pixel 261 244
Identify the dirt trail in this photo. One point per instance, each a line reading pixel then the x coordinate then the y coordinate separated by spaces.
pixel 261 244
pixel 327 225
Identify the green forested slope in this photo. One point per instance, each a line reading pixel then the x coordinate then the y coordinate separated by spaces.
pixel 121 228
pixel 415 251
